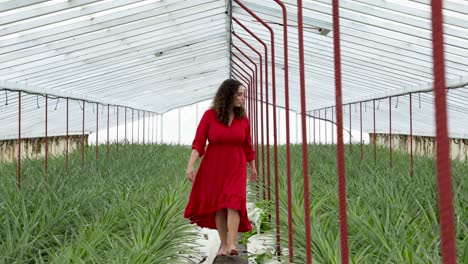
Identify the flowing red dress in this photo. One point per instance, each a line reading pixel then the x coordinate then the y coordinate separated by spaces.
pixel 222 175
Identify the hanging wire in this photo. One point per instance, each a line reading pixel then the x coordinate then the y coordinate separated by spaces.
pixel 378 105
pixel 37 101
pixel 80 105
pixel 6 97
pixel 396 104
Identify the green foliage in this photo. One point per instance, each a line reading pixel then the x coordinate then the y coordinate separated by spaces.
pixel 392 217
pixel 126 209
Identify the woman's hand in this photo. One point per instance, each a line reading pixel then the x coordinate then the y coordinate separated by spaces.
pixel 190 174
pixel 253 174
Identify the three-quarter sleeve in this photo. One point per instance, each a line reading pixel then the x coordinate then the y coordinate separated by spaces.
pixel 247 144
pixel 199 142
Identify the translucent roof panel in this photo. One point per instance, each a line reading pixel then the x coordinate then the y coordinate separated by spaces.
pixel 158 55
pixel 151 54
pixel 386 50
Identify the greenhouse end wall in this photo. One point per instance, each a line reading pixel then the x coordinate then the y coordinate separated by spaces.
pixel 34 148
pixel 422 145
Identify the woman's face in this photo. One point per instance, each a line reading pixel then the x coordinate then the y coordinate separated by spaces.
pixel 239 97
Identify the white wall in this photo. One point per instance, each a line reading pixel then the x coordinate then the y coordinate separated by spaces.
pixel 174 130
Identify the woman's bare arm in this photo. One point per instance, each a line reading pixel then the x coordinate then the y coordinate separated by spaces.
pixel 190 172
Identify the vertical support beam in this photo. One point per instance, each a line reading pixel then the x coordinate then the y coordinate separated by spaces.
pixel 126 140
pixel 333 126
pixel 266 98
pixel 305 162
pixel 66 137
pixel 162 128
pixel 315 120
pixel 360 121
pixel 411 133
pixel 19 140
pixel 117 127
pixel 288 145
pixel 97 131
pixel 325 125
pixel 82 135
pixel 375 136
pixel 350 134
pixel 390 127
pixel 138 127
pixel 107 152
pixel 444 177
pixel 320 127
pixel 46 161
pixel 261 109
pixel 272 40
pixel 340 146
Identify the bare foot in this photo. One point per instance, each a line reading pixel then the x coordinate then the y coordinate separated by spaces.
pixel 233 252
pixel 223 251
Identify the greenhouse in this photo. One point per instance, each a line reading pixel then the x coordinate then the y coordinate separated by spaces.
pixel 354 112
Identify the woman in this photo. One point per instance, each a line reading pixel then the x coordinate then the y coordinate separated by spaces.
pixel 218 196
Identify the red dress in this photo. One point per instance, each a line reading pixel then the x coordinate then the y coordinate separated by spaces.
pixel 222 176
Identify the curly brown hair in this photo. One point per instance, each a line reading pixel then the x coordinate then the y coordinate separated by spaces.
pixel 224 101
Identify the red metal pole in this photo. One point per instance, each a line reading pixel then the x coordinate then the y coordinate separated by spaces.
pixel 246 65
pixel 66 137
pixel 97 129
pixel 267 123
pixel 46 162
pixel 19 140
pixel 390 125
pixel 340 146
pixel 375 135
pixel 247 75
pixel 278 246
pixel 288 145
pixel 254 74
pixel 261 111
pixel 444 177
pixel 411 132
pixel 243 77
pixel 82 136
pixel 133 140
pixel 305 168
pixel 360 121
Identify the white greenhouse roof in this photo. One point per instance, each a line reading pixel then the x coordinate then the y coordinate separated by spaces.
pixel 156 55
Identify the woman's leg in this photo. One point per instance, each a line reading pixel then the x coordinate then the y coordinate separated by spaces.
pixel 233 220
pixel 221 226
